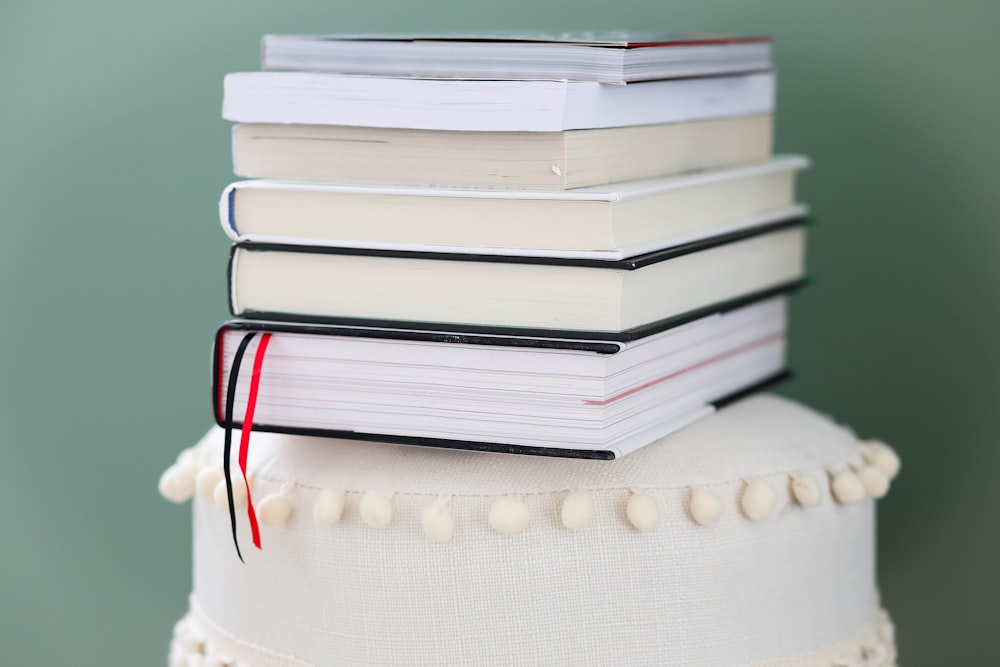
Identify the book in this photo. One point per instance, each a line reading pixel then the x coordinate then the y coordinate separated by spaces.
pixel 526 160
pixel 603 222
pixel 612 57
pixel 629 298
pixel 558 396
pixel 312 98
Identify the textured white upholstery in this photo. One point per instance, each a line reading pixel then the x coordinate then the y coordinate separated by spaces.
pixel 800 580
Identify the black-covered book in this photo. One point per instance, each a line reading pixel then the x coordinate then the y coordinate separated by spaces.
pixel 594 398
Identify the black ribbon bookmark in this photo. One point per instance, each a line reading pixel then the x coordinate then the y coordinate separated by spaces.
pixel 234 374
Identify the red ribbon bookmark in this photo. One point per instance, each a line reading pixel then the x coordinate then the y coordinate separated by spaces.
pixel 258 362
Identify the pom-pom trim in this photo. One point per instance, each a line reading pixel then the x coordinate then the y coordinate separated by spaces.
pixel 865 474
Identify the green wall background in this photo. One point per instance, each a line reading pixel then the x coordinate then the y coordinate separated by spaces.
pixel 112 155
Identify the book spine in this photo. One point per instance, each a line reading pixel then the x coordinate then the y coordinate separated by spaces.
pixel 227 208
pixel 597 346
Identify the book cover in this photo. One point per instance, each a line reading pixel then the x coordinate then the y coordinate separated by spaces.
pixel 609 38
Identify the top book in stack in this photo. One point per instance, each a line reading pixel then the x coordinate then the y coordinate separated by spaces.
pixel 604 57
pixel 529 114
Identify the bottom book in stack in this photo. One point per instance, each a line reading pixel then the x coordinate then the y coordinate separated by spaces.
pixel 746 538
pixel 585 397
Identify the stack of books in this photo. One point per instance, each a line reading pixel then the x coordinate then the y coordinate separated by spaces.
pixel 550 245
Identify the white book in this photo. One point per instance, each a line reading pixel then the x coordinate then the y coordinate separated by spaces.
pixel 506 106
pixel 601 222
pixel 607 57
pixel 568 397
pixel 508 160
pixel 629 298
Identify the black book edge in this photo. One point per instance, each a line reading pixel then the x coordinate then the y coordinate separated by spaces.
pixel 556 343
pixel 628 264
pixel 625 336
pixel 442 443
pixel 589 341
pixel 766 383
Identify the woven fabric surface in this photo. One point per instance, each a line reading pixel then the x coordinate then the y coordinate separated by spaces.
pixel 730 593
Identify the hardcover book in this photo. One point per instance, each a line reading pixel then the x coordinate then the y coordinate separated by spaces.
pixel 561 396
pixel 629 298
pixel 605 222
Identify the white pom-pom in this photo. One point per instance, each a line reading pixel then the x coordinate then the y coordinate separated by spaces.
pixel 806 490
pixel 439 526
pixel 183 628
pixel 196 660
pixel 330 506
pixel 887 631
pixel 847 488
pixel 220 497
pixel 881 456
pixel 875 481
pixel 177 482
pixel 191 645
pixel 206 481
pixel 705 507
pixel 868 636
pixel 508 515
pixel 877 654
pixel 577 510
pixel 376 509
pixel 191 455
pixel 757 500
pixel 277 508
pixel 239 493
pixel 213 661
pixel 642 512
